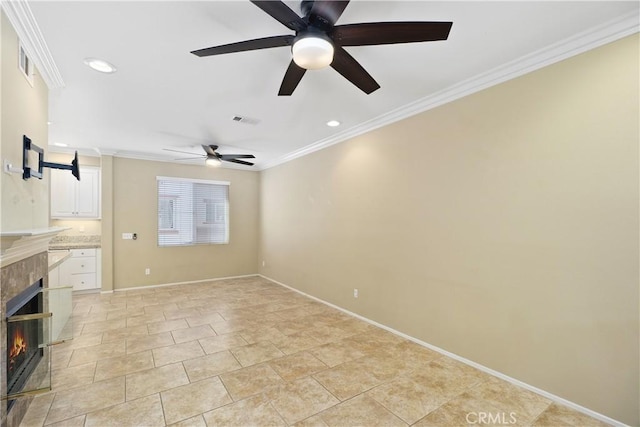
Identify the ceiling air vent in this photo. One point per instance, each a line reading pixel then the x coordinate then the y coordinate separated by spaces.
pixel 245 120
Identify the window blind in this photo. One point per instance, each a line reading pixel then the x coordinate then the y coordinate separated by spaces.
pixel 192 212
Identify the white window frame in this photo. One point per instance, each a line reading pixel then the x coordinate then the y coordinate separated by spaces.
pixel 188 219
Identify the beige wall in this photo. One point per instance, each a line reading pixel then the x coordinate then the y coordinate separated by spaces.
pixel 135 211
pixel 23 111
pixel 502 227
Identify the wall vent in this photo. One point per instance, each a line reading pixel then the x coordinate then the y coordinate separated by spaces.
pixel 245 120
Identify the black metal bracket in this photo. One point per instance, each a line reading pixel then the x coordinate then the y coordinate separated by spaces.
pixel 29 172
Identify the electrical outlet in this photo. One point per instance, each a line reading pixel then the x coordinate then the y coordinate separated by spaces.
pixel 264 263
pixel 355 293
pixel 147 271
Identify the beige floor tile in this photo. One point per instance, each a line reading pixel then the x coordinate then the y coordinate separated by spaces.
pixel 256 353
pixel 38 410
pixel 295 342
pixel 192 399
pixel 193 333
pixel 81 341
pixel 72 422
pixel 124 333
pixel 301 399
pixel 221 342
pixel 210 365
pixel 60 358
pixel 150 342
pixel 413 396
pixel 375 340
pixel 526 405
pixel 336 353
pixel 262 334
pixel 297 365
pixel 327 333
pixel 181 312
pixel 197 421
pixel 177 353
pixel 559 415
pixel 143 319
pixel 314 421
pixel 155 380
pixel 159 308
pixel 254 411
pixel 67 378
pixel 105 325
pixel 347 380
pixel 123 365
pixel 146 411
pixel 81 400
pixel 97 352
pixel 360 411
pixel 204 319
pixel 250 381
pixel 166 326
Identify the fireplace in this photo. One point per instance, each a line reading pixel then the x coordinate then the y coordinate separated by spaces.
pixel 25 334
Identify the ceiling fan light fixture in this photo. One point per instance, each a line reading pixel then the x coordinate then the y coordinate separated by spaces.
pixel 213 161
pixel 312 52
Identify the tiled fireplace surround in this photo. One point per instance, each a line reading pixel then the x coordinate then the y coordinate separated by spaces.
pixel 14 278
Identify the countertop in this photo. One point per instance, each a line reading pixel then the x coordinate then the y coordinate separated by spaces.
pixel 57 257
pixel 74 242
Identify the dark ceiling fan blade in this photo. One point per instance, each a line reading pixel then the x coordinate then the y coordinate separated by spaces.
pixel 376 33
pixel 282 13
pixel 255 44
pixel 291 79
pixel 351 70
pixel 240 162
pixel 210 149
pixel 328 10
pixel 236 156
pixel 179 151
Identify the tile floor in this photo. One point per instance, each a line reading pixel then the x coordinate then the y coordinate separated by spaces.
pixel 247 352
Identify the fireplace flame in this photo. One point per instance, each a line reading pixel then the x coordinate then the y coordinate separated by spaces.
pixel 19 345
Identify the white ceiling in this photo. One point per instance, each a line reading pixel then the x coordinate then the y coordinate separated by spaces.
pixel 164 97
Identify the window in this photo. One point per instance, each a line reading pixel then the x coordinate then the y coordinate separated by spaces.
pixel 25 64
pixel 192 212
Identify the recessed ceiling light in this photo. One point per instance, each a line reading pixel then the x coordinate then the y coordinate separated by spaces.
pixel 333 123
pixel 60 144
pixel 100 65
pixel 49 123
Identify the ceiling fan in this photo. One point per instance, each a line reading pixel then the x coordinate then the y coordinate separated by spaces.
pixel 318 42
pixel 213 158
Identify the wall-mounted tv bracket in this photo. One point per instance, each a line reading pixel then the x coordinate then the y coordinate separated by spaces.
pixel 29 172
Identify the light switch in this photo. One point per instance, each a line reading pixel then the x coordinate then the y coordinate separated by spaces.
pixel 127 236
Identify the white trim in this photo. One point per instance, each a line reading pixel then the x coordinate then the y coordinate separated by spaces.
pixel 608 32
pixel 21 244
pixel 200 181
pixel 33 42
pixel 489 371
pixel 137 288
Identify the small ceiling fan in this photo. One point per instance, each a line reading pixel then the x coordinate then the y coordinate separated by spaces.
pixel 213 158
pixel 318 42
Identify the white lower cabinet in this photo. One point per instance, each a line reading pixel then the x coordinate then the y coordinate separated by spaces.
pixel 82 270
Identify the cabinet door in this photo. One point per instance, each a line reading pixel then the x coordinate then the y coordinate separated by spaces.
pixel 88 194
pixel 63 194
pixel 71 198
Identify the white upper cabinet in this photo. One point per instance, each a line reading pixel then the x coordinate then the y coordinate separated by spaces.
pixel 71 198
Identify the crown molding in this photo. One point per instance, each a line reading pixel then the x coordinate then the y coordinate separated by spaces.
pixel 25 25
pixel 623 26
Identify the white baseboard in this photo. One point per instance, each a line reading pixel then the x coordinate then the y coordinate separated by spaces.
pixel 162 285
pixel 490 371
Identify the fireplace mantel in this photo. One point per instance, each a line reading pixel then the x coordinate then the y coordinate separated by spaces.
pixel 21 244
